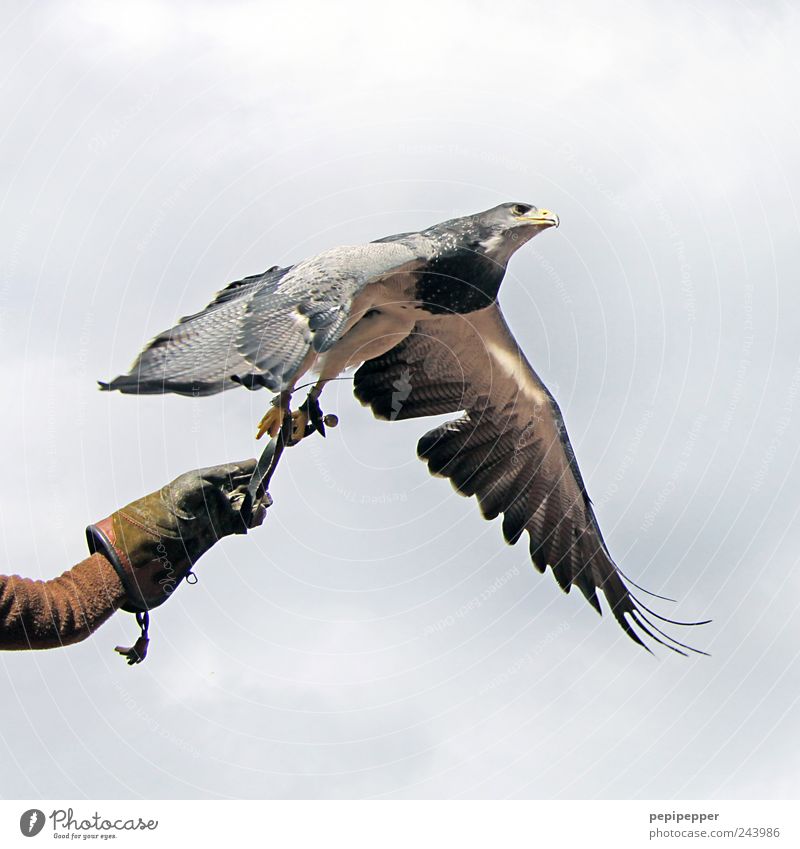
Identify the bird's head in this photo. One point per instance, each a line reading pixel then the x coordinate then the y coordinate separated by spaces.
pixel 502 230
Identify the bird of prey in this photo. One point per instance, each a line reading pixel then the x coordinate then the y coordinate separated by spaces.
pixel 418 314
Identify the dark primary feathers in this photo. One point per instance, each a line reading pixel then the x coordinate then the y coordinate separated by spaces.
pixel 509 448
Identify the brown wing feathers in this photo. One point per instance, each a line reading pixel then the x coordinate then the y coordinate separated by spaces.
pixel 509 448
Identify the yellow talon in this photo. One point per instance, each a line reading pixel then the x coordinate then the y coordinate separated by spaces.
pixel 273 419
pixel 271 422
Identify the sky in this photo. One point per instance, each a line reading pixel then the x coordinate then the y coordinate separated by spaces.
pixel 375 637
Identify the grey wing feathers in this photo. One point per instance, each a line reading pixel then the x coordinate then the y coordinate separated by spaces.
pixel 198 355
pixel 268 281
pixel 260 330
pixel 510 449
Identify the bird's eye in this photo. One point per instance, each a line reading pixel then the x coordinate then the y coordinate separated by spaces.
pixel 520 209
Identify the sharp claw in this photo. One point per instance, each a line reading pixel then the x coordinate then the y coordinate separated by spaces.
pixel 271 422
pixel 307 419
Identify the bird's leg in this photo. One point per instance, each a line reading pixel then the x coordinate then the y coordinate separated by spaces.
pixel 273 418
pixel 309 418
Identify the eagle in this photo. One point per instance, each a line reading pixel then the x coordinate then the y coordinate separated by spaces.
pixel 417 315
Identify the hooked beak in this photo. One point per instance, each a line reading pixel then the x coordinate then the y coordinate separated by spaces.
pixel 542 217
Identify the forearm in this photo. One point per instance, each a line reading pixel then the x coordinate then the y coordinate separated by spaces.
pixel 64 610
pixel 139 555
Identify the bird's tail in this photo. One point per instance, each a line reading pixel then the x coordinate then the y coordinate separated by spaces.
pixel 193 358
pixel 132 384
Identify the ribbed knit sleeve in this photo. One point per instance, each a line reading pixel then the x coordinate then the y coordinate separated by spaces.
pixel 64 610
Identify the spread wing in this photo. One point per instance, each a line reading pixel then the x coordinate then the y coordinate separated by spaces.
pixel 509 448
pixel 260 331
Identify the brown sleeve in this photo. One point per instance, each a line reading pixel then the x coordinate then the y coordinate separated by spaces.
pixel 64 610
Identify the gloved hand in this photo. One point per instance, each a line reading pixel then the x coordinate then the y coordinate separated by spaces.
pixel 153 543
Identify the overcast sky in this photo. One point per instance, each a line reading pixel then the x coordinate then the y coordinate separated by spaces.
pixel 376 637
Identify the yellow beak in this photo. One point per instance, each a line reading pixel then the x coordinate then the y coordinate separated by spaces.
pixel 542 216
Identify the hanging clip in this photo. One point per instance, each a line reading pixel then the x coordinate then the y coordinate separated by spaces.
pixel 138 651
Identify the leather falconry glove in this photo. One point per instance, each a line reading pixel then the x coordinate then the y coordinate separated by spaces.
pixel 154 542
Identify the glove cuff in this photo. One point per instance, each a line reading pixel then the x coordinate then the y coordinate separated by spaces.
pixel 147 584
